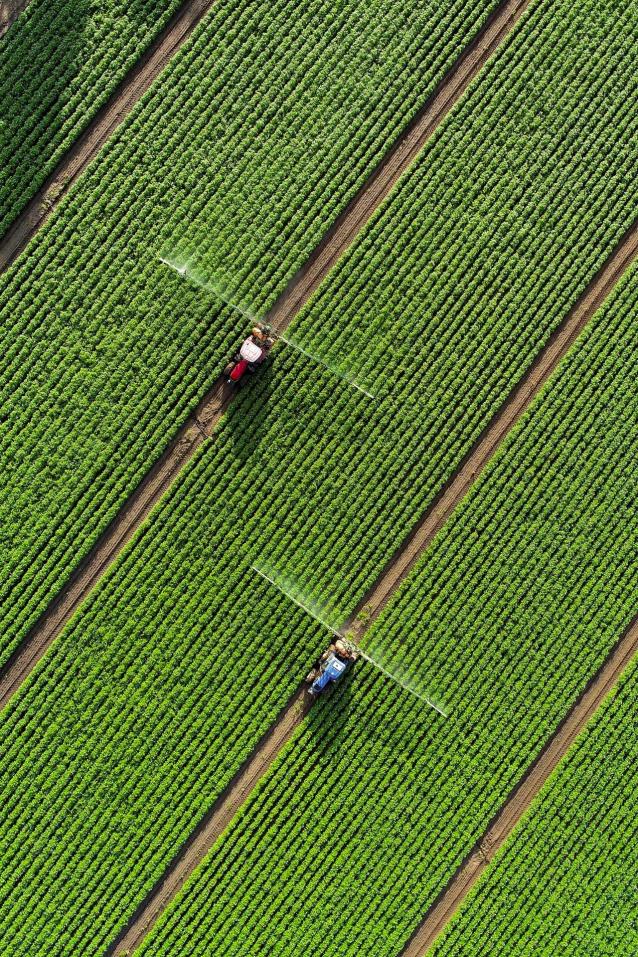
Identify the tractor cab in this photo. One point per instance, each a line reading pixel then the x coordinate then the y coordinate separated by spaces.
pixel 332 666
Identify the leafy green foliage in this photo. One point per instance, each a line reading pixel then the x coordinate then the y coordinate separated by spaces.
pixel 363 818
pixel 149 701
pixel 240 156
pixel 59 63
pixel 565 882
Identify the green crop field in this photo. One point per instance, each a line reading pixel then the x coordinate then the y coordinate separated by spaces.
pixel 103 350
pixel 59 63
pixel 566 881
pixel 170 675
pixel 503 622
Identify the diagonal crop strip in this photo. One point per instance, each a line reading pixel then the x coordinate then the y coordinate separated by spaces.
pixel 193 852
pixel 287 306
pixel 210 829
pixel 506 418
pixel 210 411
pixel 556 748
pixel 109 117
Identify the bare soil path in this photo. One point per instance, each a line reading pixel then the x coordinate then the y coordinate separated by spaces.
pixel 113 540
pixel 10 10
pixel 451 898
pixel 493 435
pixel 213 406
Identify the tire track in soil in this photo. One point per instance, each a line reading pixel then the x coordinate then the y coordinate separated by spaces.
pixel 139 79
pixel 511 410
pixel 103 124
pixel 331 247
pixel 502 825
pixel 10 10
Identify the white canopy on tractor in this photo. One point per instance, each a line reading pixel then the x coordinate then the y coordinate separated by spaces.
pixel 250 351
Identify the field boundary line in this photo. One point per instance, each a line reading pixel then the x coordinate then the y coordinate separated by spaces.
pixel 111 542
pixel 10 10
pixel 212 407
pixel 510 412
pixel 88 144
pixel 210 828
pixel 554 751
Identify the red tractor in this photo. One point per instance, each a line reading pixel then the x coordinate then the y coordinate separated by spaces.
pixel 253 352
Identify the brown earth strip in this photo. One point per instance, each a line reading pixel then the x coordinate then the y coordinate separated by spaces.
pixel 453 895
pixel 402 154
pixel 113 540
pixel 209 830
pixel 499 24
pixel 10 10
pixel 106 121
pixel 212 407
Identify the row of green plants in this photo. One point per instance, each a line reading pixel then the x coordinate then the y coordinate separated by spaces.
pixel 368 811
pixel 318 482
pixel 240 157
pixel 565 882
pixel 59 63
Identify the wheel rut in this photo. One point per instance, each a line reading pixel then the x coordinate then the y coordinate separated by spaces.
pixel 450 899
pixel 105 122
pixel 209 829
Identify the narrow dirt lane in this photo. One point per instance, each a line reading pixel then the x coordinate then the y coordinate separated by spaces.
pixel 213 406
pixel 514 808
pixel 489 441
pixel 10 10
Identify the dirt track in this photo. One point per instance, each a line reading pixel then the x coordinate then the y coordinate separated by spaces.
pixel 113 540
pixel 212 407
pixel 10 10
pixel 510 814
pixel 511 411
pixel 86 147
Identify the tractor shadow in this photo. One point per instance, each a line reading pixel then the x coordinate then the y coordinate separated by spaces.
pixel 247 415
pixel 329 720
pixel 342 717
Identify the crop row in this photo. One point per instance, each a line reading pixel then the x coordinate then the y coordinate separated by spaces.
pixel 565 882
pixel 240 156
pixel 308 476
pixel 367 812
pixel 59 64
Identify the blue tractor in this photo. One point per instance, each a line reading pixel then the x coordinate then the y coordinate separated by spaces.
pixel 332 666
